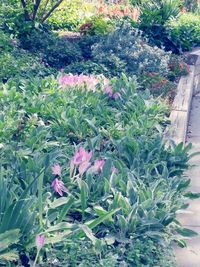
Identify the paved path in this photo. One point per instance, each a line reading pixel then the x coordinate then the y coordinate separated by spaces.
pixel 190 256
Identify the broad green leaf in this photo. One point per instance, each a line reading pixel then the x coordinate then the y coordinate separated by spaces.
pixel 186 232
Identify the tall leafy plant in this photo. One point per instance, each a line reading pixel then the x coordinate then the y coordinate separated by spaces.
pixel 39 9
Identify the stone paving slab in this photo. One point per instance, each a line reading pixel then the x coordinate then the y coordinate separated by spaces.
pixel 190 256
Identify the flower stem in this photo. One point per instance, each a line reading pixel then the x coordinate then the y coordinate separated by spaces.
pixel 36 258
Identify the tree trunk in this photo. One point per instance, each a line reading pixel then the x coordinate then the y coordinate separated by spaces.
pixel 35 9
pixel 51 10
pixel 26 13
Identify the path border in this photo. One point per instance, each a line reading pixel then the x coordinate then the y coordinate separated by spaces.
pixel 179 117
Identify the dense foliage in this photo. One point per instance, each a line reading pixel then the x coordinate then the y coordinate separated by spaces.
pixel 18 62
pixel 185 32
pixel 130 187
pixel 86 177
pixel 131 54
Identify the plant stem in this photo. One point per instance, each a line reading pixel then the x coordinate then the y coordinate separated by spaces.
pixel 36 258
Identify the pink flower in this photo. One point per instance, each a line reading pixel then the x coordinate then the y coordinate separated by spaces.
pixel 81 159
pixel 14 42
pixel 39 241
pixel 83 167
pixel 108 90
pixel 70 80
pixel 116 95
pixel 98 165
pixel 59 187
pixel 114 170
pixel 56 169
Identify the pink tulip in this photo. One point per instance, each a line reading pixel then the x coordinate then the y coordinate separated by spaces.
pixel 98 165
pixel 83 167
pixel 56 169
pixel 70 80
pixel 114 170
pixel 116 96
pixel 81 159
pixel 59 187
pixel 108 90
pixel 39 241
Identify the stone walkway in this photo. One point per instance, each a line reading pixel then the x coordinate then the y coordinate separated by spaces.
pixel 190 256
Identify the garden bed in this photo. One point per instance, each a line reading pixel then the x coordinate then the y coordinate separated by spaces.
pixel 86 177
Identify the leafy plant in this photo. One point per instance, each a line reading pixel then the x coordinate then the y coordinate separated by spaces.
pixel 131 54
pixel 88 166
pixel 158 85
pixel 54 50
pixel 159 11
pixel 40 10
pixel 7 239
pixel 96 26
pixel 70 15
pixel 185 32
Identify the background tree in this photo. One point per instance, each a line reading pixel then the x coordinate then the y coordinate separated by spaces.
pixel 39 10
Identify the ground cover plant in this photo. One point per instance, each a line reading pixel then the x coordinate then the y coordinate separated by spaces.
pixel 86 177
pixel 18 62
pixel 102 176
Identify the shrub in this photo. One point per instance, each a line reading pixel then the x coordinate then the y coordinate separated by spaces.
pixel 22 64
pixel 177 68
pixel 97 25
pixel 85 43
pixel 139 253
pixel 6 43
pixel 158 85
pixel 17 62
pixel 191 5
pixel 121 10
pixel 87 67
pixel 54 50
pixel 71 14
pixel 130 53
pixel 185 32
pixel 159 11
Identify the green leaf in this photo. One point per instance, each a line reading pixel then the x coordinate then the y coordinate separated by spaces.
pixel 88 232
pixel 65 209
pixel 8 238
pixel 186 232
pixel 192 195
pixel 59 202
pixel 83 195
pixel 40 203
pixel 102 218
pixel 61 226
pixel 181 243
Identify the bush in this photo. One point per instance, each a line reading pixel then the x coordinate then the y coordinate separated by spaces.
pixel 191 5
pixel 71 14
pixel 54 50
pixel 158 12
pixel 85 43
pixel 17 62
pixel 22 64
pixel 177 68
pixel 185 31
pixel 124 50
pixel 87 67
pixel 158 85
pixel 97 25
pixel 139 253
